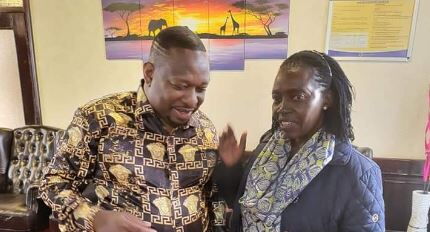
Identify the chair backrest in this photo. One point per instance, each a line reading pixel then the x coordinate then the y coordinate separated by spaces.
pixel 366 151
pixel 58 139
pixel 6 136
pixel 33 147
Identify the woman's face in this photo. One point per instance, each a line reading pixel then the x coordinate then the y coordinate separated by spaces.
pixel 298 102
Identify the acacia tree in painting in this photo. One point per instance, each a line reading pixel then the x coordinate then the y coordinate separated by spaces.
pixel 265 11
pixel 124 10
pixel 112 30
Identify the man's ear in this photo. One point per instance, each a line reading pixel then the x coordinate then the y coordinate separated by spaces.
pixel 148 72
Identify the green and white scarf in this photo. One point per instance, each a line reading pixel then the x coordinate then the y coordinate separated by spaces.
pixel 274 182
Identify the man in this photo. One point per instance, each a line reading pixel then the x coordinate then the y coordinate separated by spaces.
pixel 142 161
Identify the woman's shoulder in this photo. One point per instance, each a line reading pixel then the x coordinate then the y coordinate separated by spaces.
pixel 355 162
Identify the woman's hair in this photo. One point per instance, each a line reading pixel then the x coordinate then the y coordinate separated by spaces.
pixel 329 74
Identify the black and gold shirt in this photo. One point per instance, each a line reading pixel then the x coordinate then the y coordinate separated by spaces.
pixel 115 155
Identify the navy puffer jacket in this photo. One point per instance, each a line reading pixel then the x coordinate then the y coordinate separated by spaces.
pixel 346 196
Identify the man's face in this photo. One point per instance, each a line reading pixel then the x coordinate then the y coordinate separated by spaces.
pixel 175 84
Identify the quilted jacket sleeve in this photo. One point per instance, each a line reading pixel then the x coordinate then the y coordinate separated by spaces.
pixel 365 207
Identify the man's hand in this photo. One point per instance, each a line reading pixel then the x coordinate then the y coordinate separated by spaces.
pixel 231 152
pixel 107 221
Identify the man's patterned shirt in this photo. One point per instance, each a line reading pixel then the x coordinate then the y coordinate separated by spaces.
pixel 116 155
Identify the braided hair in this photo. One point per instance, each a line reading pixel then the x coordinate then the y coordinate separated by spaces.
pixel 175 37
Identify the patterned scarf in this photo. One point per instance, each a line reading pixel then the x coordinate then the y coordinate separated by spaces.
pixel 274 182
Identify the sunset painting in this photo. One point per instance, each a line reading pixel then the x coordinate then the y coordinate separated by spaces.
pixel 231 30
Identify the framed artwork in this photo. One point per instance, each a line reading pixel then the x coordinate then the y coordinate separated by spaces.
pixel 226 35
pixel 267 28
pixel 371 30
pixel 231 30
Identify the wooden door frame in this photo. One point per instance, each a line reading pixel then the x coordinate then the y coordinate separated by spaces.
pixel 18 19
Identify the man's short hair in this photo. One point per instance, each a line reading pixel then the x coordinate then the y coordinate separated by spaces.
pixel 176 37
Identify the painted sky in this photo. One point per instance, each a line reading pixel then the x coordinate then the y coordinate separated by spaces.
pixel 254 26
pixel 200 16
pixel 193 14
pixel 113 20
pixel 155 10
pixel 218 12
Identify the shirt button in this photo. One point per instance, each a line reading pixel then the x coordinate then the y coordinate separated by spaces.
pixel 375 217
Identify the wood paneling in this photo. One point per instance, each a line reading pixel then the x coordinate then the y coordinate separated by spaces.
pixel 400 178
pixel 18 19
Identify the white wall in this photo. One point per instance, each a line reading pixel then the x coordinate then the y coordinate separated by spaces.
pixel 389 112
pixel 11 108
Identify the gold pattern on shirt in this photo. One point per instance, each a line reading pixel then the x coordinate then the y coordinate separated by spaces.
pixel 75 135
pixel 219 211
pixel 121 173
pixel 164 205
pixel 191 204
pixel 62 227
pixel 188 152
pixel 83 211
pixel 65 193
pixel 56 179
pixel 120 118
pixel 121 159
pixel 210 139
pixel 101 192
pixel 157 150
pixel 209 134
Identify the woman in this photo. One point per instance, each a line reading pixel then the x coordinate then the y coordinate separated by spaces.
pixel 305 175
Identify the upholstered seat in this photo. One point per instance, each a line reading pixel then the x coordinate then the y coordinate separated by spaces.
pixel 6 136
pixel 24 152
pixel 15 216
pixel 13 204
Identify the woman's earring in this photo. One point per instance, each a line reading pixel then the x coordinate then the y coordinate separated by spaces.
pixel 325 108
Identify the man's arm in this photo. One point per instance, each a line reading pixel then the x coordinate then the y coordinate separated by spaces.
pixel 66 175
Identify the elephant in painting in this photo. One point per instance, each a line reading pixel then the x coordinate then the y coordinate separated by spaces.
pixel 156 25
